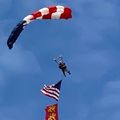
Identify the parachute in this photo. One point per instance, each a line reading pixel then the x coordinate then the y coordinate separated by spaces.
pixel 52 12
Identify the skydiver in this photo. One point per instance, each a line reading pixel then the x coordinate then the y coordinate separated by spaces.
pixel 64 69
pixel 62 65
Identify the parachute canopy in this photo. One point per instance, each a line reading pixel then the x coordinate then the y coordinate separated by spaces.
pixel 52 12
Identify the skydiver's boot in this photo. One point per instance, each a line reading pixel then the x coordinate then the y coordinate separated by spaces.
pixel 69 72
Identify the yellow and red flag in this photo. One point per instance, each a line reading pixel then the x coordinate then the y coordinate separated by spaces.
pixel 52 112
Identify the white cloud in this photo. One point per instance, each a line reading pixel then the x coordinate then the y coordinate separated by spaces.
pixel 115 116
pixel 94 18
pixel 19 61
pixel 110 98
pixel 109 102
pixel 113 87
pixel 19 111
pixel 83 111
pixel 5 6
pixel 91 64
pixel 106 106
pixel 2 79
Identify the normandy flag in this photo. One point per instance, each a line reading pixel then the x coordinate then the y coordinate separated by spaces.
pixel 51 112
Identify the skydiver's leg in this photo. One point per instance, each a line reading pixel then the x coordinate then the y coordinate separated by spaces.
pixel 63 70
pixel 68 71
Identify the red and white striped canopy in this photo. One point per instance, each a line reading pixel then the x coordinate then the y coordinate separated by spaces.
pixel 52 12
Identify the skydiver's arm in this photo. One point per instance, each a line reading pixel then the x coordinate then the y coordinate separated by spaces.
pixel 56 61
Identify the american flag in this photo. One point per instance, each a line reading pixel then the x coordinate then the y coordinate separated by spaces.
pixel 52 91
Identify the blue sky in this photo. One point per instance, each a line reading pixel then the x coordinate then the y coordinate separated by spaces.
pixel 89 43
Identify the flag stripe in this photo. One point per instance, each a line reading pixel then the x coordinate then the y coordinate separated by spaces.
pixel 51 92
pixel 52 89
pixel 49 95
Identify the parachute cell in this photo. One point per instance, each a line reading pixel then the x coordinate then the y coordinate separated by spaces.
pixel 52 12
